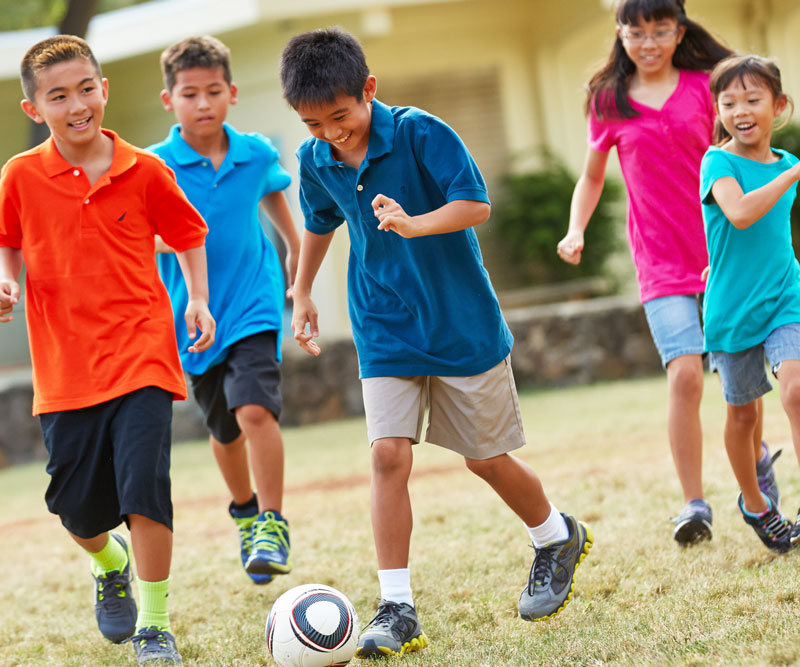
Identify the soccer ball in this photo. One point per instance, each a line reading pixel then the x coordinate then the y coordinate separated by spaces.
pixel 312 626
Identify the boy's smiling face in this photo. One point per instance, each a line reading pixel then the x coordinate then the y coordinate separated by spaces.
pixel 71 98
pixel 343 123
pixel 200 99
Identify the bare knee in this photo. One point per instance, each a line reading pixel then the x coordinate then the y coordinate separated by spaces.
pixel 253 415
pixel 391 456
pixel 743 417
pixel 486 469
pixel 685 375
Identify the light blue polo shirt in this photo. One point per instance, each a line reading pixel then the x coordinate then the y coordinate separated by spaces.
pixel 245 277
pixel 754 279
pixel 421 306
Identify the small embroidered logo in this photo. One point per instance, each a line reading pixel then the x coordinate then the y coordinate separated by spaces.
pixel 122 217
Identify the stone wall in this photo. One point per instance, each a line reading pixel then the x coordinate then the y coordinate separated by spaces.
pixel 559 344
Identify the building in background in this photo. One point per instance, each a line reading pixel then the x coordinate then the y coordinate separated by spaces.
pixel 508 76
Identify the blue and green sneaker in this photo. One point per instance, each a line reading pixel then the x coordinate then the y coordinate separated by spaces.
pixel 152 644
pixel 270 548
pixel 114 606
pixel 244 520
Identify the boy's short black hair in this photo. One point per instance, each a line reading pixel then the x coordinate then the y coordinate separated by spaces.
pixel 206 51
pixel 318 66
pixel 49 52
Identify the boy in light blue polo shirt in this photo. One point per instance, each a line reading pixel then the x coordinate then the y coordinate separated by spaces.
pixel 227 175
pixel 426 322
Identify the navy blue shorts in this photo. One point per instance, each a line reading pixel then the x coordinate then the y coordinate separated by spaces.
pixel 249 375
pixel 110 460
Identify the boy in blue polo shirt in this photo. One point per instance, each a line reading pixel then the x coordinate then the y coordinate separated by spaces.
pixel 226 175
pixel 426 322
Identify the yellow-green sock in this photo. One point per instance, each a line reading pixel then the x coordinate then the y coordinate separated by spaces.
pixel 153 604
pixel 110 557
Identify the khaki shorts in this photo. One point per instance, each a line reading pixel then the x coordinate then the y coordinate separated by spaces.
pixel 476 416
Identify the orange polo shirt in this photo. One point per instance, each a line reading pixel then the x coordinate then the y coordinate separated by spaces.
pixel 99 318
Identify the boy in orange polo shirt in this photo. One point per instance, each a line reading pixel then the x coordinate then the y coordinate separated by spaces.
pixel 82 210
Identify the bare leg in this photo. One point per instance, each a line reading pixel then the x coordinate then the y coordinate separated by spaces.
pixel 234 466
pixel 758 432
pixel 517 484
pixel 789 379
pixel 266 454
pixel 685 383
pixel 91 544
pixel 739 427
pixel 390 502
pixel 152 547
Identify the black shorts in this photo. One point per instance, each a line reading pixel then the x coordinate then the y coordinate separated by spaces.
pixel 249 375
pixel 110 460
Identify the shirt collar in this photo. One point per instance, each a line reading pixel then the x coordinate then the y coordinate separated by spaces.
pixel 184 154
pixel 54 163
pixel 381 137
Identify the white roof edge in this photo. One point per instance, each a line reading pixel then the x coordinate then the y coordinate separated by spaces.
pixel 154 25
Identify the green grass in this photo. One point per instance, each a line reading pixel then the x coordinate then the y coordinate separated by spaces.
pixel 602 454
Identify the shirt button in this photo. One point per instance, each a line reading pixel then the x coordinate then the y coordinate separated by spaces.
pixel 215 185
pixel 359 187
pixel 86 202
pixel 77 172
pixel 205 164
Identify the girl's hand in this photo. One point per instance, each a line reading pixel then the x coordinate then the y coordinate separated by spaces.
pixel 305 313
pixel 570 247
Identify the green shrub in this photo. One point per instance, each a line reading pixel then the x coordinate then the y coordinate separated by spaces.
pixel 532 215
pixel 788 138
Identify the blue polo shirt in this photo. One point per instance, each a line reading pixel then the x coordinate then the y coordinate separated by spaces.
pixel 421 306
pixel 245 277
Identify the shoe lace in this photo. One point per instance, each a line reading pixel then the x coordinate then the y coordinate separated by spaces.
pixel 542 568
pixel 774 525
pixel 149 639
pixel 245 527
pixel 111 586
pixel 388 616
pixel 270 533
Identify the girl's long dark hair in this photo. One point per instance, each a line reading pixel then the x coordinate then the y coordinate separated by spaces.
pixel 607 90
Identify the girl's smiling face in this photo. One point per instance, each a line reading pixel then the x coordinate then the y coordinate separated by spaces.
pixel 651 44
pixel 747 110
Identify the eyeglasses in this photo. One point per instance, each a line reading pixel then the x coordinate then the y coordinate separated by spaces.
pixel 638 37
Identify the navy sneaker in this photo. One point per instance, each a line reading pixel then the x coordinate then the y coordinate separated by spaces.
pixel 766 476
pixel 693 524
pixel 772 528
pixel 153 644
pixel 269 553
pixel 244 520
pixel 395 630
pixel 114 606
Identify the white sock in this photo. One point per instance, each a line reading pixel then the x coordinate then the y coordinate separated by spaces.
pixel 396 585
pixel 554 529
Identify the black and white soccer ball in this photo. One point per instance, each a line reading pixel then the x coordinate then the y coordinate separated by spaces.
pixel 312 626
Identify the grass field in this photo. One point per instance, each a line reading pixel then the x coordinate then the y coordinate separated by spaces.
pixel 601 452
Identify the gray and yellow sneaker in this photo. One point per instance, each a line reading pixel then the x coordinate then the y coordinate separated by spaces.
pixel 152 644
pixel 766 475
pixel 551 579
pixel 394 630
pixel 693 524
pixel 244 520
pixel 772 528
pixel 794 537
pixel 270 552
pixel 114 606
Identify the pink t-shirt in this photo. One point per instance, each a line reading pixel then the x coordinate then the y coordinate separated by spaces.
pixel 659 153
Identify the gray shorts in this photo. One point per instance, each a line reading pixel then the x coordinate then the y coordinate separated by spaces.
pixel 743 374
pixel 476 416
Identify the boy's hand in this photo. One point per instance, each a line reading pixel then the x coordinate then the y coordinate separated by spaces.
pixel 305 312
pixel 291 271
pixel 9 297
pixel 392 217
pixel 570 247
pixel 197 316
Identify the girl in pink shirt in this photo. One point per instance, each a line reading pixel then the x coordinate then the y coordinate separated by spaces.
pixel 651 100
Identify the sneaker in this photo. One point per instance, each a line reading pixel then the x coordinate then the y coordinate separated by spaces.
pixel 114 606
pixel 766 476
pixel 794 538
pixel 244 520
pixel 154 644
pixel 693 524
pixel 395 630
pixel 774 529
pixel 270 549
pixel 550 582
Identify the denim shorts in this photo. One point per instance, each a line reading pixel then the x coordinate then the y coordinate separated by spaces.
pixel 675 326
pixel 743 374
